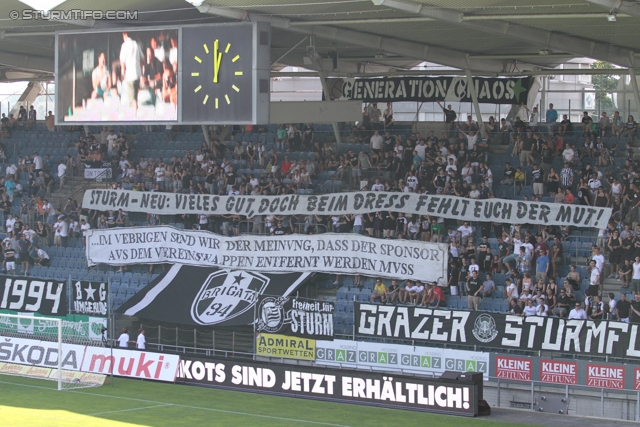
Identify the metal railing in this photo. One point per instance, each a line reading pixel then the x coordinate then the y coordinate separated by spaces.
pixel 180 340
pixel 104 175
pixel 526 394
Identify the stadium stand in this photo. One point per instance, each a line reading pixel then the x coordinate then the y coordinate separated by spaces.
pixel 568 166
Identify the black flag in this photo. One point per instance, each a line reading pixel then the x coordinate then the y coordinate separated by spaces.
pixel 208 296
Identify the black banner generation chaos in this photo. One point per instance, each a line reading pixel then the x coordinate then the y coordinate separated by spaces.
pixel 297 317
pixel 340 385
pixel 586 337
pixel 33 295
pixel 513 90
pixel 460 208
pixel 206 296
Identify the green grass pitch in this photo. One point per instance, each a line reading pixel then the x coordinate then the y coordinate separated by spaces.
pixel 27 402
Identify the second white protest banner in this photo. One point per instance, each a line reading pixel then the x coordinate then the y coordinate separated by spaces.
pixel 328 253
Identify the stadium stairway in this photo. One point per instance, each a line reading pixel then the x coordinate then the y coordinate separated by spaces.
pixel 74 189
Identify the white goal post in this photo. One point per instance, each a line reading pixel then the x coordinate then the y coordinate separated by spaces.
pixel 46 348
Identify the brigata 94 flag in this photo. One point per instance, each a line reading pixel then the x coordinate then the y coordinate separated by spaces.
pixel 328 253
pixel 208 296
pixel 460 208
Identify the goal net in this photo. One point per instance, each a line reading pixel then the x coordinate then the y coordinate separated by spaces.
pixel 47 348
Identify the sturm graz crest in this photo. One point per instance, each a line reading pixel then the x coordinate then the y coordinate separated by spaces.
pixel 227 294
pixel 271 314
pixel 484 328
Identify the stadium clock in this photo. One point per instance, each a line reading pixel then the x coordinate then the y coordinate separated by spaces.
pixel 220 73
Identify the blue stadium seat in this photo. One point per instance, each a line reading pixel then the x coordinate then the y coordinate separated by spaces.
pixel 353 294
pixel 341 294
pixel 364 295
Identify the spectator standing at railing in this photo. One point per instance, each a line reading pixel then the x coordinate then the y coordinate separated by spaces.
pixel 552 118
pixel 630 130
pixel 62 171
pixel 616 124
pixel 9 258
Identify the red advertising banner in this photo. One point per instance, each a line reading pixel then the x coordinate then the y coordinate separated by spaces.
pixel 513 368
pixel 558 372
pixel 603 376
pixel 636 379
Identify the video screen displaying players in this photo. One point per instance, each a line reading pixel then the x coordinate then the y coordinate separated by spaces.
pixel 123 76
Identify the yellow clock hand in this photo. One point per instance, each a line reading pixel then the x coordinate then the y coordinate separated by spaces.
pixel 217 59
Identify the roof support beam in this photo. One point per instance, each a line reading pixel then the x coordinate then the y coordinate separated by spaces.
pixel 634 86
pixel 543 38
pixel 476 105
pixel 435 72
pixel 383 44
pixel 618 6
pixel 27 62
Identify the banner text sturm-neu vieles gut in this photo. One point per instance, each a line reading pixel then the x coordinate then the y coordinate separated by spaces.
pixel 489 210
pixel 328 253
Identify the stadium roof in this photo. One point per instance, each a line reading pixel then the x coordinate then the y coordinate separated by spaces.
pixel 486 36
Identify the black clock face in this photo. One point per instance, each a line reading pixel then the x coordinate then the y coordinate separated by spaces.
pixel 217 74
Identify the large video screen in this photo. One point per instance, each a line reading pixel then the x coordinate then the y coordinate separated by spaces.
pixel 117 76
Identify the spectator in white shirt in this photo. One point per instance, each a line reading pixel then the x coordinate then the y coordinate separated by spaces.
pixel 123 339
pixel 578 313
pixel 511 290
pixel 42 258
pixel 466 233
pixel 9 223
pixel 529 309
pixel 11 169
pixel 141 341
pixel 62 172
pixel 84 227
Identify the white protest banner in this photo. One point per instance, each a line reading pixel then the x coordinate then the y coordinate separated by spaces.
pixel 489 210
pixel 328 253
